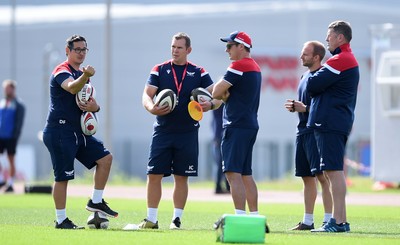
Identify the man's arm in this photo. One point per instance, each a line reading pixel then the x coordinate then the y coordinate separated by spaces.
pixel 220 90
pixel 321 80
pixel 147 100
pixel 19 120
pixel 74 86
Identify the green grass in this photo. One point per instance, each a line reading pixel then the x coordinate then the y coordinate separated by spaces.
pixel 28 219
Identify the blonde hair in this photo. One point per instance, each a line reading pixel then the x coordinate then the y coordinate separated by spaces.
pixel 9 82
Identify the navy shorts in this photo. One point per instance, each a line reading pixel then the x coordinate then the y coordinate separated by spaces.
pixel 65 145
pixel 307 156
pixel 174 153
pixel 10 145
pixel 331 147
pixel 237 149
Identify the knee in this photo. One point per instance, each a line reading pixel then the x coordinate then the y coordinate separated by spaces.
pixel 106 161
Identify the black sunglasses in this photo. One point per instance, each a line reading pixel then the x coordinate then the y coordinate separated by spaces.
pixel 229 45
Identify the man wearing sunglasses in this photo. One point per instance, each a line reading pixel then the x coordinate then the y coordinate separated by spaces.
pixel 240 90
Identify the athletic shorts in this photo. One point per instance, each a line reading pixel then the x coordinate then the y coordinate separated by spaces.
pixel 307 156
pixel 10 145
pixel 331 147
pixel 65 146
pixel 237 150
pixel 174 153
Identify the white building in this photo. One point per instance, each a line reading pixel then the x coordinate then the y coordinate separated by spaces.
pixel 141 35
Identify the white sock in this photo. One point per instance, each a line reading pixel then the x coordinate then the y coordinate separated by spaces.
pixel 1 177
pixel 177 213
pixel 240 212
pixel 308 219
pixel 253 213
pixel 97 196
pixel 61 215
pixel 327 217
pixel 152 214
pixel 10 181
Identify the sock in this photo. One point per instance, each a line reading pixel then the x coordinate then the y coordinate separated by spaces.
pixel 1 176
pixel 152 214
pixel 97 196
pixel 253 213
pixel 61 215
pixel 177 213
pixel 10 181
pixel 327 217
pixel 308 219
pixel 240 212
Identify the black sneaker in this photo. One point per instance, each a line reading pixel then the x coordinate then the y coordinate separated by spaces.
pixel 2 183
pixel 101 207
pixel 176 224
pixel 147 224
pixel 266 229
pixel 303 227
pixel 68 224
pixel 9 189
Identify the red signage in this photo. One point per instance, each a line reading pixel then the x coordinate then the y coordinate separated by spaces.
pixel 279 72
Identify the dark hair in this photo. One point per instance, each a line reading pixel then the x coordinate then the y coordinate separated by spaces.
pixel 74 38
pixel 342 27
pixel 318 49
pixel 183 35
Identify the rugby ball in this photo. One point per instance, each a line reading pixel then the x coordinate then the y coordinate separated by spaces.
pixel 200 95
pixel 84 94
pixel 88 123
pixel 97 220
pixel 166 97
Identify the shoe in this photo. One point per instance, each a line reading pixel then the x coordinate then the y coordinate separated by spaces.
pixel 331 226
pixel 266 229
pixel 302 227
pixel 346 226
pixel 9 189
pixel 2 183
pixel 218 223
pixel 147 224
pixel 101 207
pixel 176 224
pixel 68 224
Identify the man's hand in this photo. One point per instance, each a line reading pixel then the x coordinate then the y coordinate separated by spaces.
pixel 88 70
pixel 90 105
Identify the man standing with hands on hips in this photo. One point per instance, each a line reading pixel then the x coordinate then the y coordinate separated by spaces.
pixel 333 89
pixel 240 90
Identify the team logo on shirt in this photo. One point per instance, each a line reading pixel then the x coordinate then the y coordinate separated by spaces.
pixel 149 168
pixel 168 71
pixel 190 74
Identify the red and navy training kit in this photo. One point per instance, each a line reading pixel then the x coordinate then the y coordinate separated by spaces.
pixel 240 115
pixel 334 94
pixel 174 147
pixel 62 134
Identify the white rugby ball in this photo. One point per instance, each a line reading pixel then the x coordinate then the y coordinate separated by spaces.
pixel 97 220
pixel 166 97
pixel 84 94
pixel 200 95
pixel 89 123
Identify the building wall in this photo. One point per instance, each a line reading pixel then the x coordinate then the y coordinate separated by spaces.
pixel 138 43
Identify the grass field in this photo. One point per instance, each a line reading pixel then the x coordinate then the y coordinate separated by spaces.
pixel 28 219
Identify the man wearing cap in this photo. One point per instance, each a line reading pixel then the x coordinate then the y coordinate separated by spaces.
pixel 240 90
